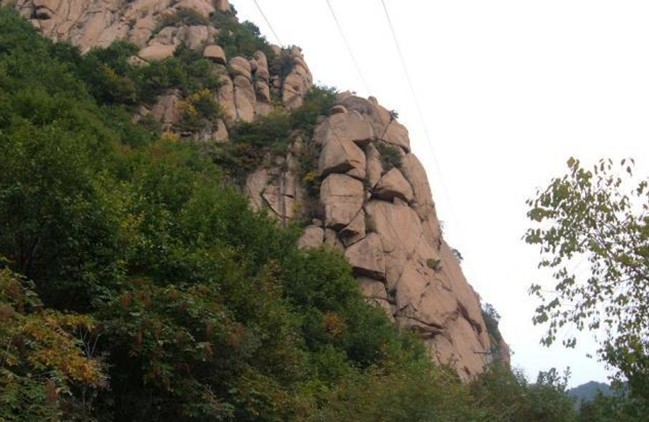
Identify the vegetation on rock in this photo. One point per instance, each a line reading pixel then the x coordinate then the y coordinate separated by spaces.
pixel 136 285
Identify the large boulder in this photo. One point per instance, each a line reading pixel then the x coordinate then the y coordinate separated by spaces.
pixel 226 98
pixel 156 52
pixel 366 257
pixel 312 237
pixel 351 126
pixel 341 155
pixel 215 53
pixel 244 98
pixel 392 185
pixel 166 109
pixel 240 66
pixel 342 198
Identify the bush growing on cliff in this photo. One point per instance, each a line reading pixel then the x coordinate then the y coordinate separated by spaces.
pixel 239 39
pixel 193 307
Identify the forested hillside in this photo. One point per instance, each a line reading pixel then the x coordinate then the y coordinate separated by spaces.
pixel 136 284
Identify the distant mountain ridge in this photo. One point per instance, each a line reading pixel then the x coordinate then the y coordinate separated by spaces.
pixel 588 391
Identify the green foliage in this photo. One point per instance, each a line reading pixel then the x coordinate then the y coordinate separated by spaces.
pixel 199 110
pixel 157 293
pixel 283 64
pixel 491 319
pixel 258 143
pixel 415 391
pixel 390 155
pixel 317 102
pixel 239 38
pixel 599 215
pixel 183 16
pixel 41 361
pixel 434 264
pixel 506 395
pixel 619 406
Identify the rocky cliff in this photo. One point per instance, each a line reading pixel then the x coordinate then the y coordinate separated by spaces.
pixel 373 199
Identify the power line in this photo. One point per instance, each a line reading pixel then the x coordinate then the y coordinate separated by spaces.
pixel 349 48
pixel 268 23
pixel 421 116
pixel 414 96
pixel 409 80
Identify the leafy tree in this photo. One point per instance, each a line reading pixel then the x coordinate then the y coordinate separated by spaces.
pixel 597 217
pixel 507 395
pixel 41 360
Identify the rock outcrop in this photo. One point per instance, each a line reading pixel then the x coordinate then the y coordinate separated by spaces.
pixel 374 204
pixel 378 209
pixel 158 28
pixel 97 23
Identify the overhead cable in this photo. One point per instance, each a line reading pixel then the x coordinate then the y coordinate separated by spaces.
pixel 349 48
pixel 420 114
pixel 269 24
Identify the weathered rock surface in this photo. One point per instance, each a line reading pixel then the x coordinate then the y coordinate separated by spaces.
pixel 392 185
pixel 150 25
pixel 394 242
pixel 342 197
pixel 215 53
pixel 298 81
pixel 384 221
pixel 367 257
pixel 312 237
pixel 244 98
pixel 341 155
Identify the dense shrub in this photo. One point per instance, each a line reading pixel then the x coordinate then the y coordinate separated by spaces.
pixel 240 39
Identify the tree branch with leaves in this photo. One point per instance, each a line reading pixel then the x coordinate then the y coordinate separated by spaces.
pixel 596 217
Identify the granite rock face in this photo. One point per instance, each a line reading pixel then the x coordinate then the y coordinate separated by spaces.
pixel 247 84
pixel 383 218
pixel 374 201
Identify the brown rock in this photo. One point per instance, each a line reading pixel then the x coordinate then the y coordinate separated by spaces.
pixel 374 165
pixel 260 58
pixel 222 5
pixel 263 91
pixel 204 7
pixel 166 109
pixel 240 66
pixel 220 134
pixel 166 36
pixel 355 230
pixel 215 53
pixel 340 155
pixel 397 134
pixel 414 172
pixel 197 36
pixel 244 98
pixel 331 239
pixel 366 257
pixel 337 109
pixel 392 185
pixel 255 185
pixel 398 225
pixel 342 198
pixel 312 237
pixel 371 288
pixel 226 98
pixel 157 52
pixel 351 126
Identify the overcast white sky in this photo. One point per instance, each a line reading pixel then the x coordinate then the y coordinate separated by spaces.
pixel 508 91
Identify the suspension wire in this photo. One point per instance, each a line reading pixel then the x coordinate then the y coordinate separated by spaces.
pixel 420 114
pixel 269 24
pixel 349 48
